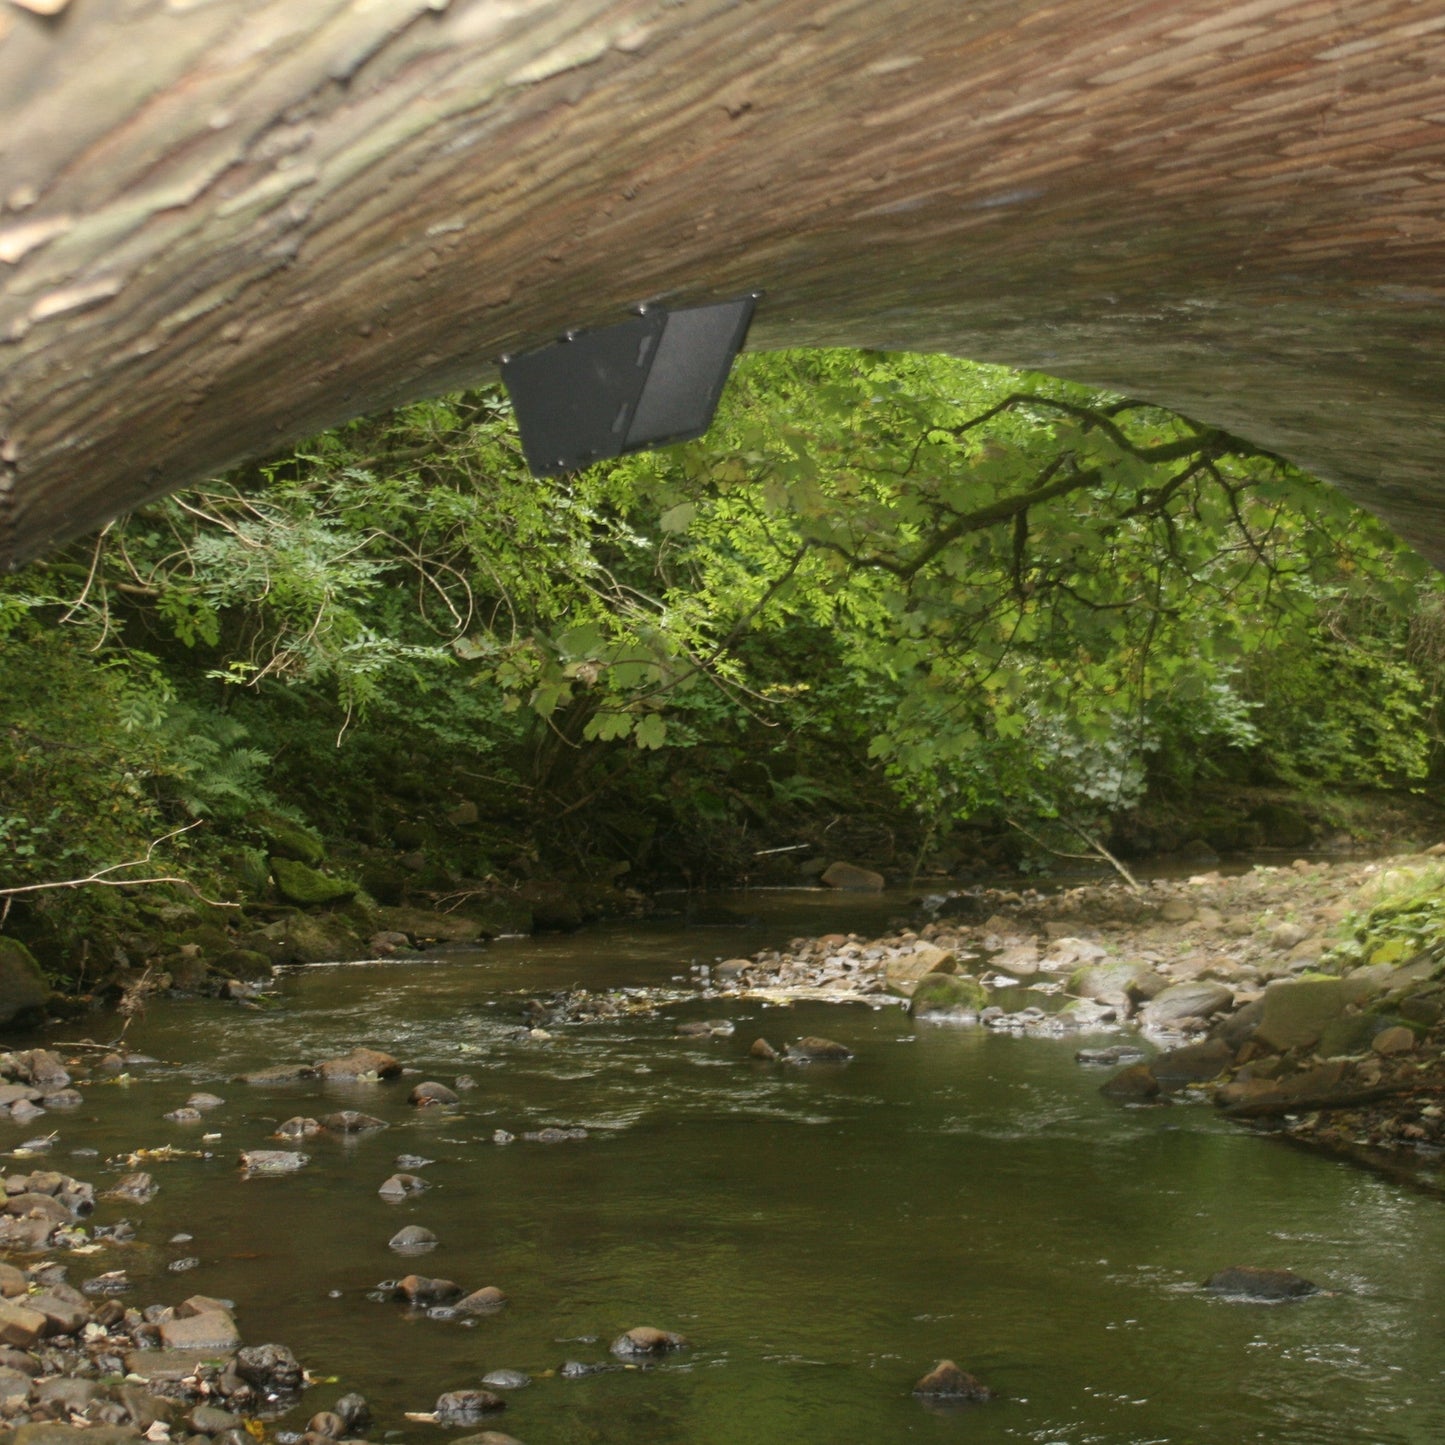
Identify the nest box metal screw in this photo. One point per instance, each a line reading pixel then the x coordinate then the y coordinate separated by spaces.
pixel 646 382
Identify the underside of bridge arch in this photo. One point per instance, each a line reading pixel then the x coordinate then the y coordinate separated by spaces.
pixel 225 224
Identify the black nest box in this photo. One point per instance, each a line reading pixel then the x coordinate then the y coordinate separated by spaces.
pixel 649 381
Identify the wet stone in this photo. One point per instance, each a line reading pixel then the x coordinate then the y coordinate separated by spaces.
pixel 551 1136
pixel 411 1161
pixel 209 1420
pixel 419 1289
pixel 506 1380
pixel 183 1116
pixel 412 1239
pixel 20 1326
pixel 1132 1084
pixel 273 1161
pixel 352 1121
pixel 326 1423
pixel 579 1369
pixel 272 1368
pixel 945 1381
pixel 645 1340
pixel 354 1412
pixel 278 1074
pixel 401 1186
pixel 811 1050
pixel 358 1064
pixel 1111 1057
pixel 1397 1039
pixel 204 1101
pixel 465 1407
pixel 762 1049
pixel 1192 1064
pixel 299 1127
pixel 485 1301
pixel 214 1331
pixel 180 1266
pixel 112 1282
pixel 63 1316
pixel 431 1093
pixel 138 1187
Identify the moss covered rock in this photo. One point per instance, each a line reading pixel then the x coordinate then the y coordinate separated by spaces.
pixel 317 938
pixel 422 926
pixel 298 883
pixel 287 839
pixel 1297 1011
pixel 948 993
pixel 243 963
pixel 23 987
pixel 1350 1033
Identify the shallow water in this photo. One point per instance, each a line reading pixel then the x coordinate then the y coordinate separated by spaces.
pixel 822 1234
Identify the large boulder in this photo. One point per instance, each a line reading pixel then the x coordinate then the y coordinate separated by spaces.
pixel 852 878
pixel 1193 1064
pixel 1201 999
pixel 287 839
pixel 421 925
pixel 302 884
pixel 1108 982
pixel 23 988
pixel 360 1063
pixel 903 973
pixel 1298 1010
pixel 947 994
pixel 314 938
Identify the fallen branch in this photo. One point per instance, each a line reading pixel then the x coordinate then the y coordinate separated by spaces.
pixel 100 879
pixel 1100 853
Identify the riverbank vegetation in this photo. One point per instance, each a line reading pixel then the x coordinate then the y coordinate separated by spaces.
pixel 928 615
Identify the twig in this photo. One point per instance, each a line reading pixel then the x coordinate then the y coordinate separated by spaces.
pixel 1099 850
pixel 99 876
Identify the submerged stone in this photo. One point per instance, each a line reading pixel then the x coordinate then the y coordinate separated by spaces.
pixel 464 1407
pixel 273 1161
pixel 945 1381
pixel 1134 1083
pixel 1249 1282
pixel 647 1340
pixel 812 1049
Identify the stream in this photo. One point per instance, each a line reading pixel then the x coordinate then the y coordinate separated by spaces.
pixel 822 1234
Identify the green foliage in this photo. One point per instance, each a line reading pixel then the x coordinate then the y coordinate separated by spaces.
pixel 880 583
pixel 1404 914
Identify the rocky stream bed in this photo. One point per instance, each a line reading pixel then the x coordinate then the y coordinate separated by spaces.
pixel 1229 993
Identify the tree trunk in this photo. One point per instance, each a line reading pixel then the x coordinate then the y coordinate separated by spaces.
pixel 225 224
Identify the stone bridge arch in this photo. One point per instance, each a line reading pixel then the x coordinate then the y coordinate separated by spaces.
pixel 225 224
